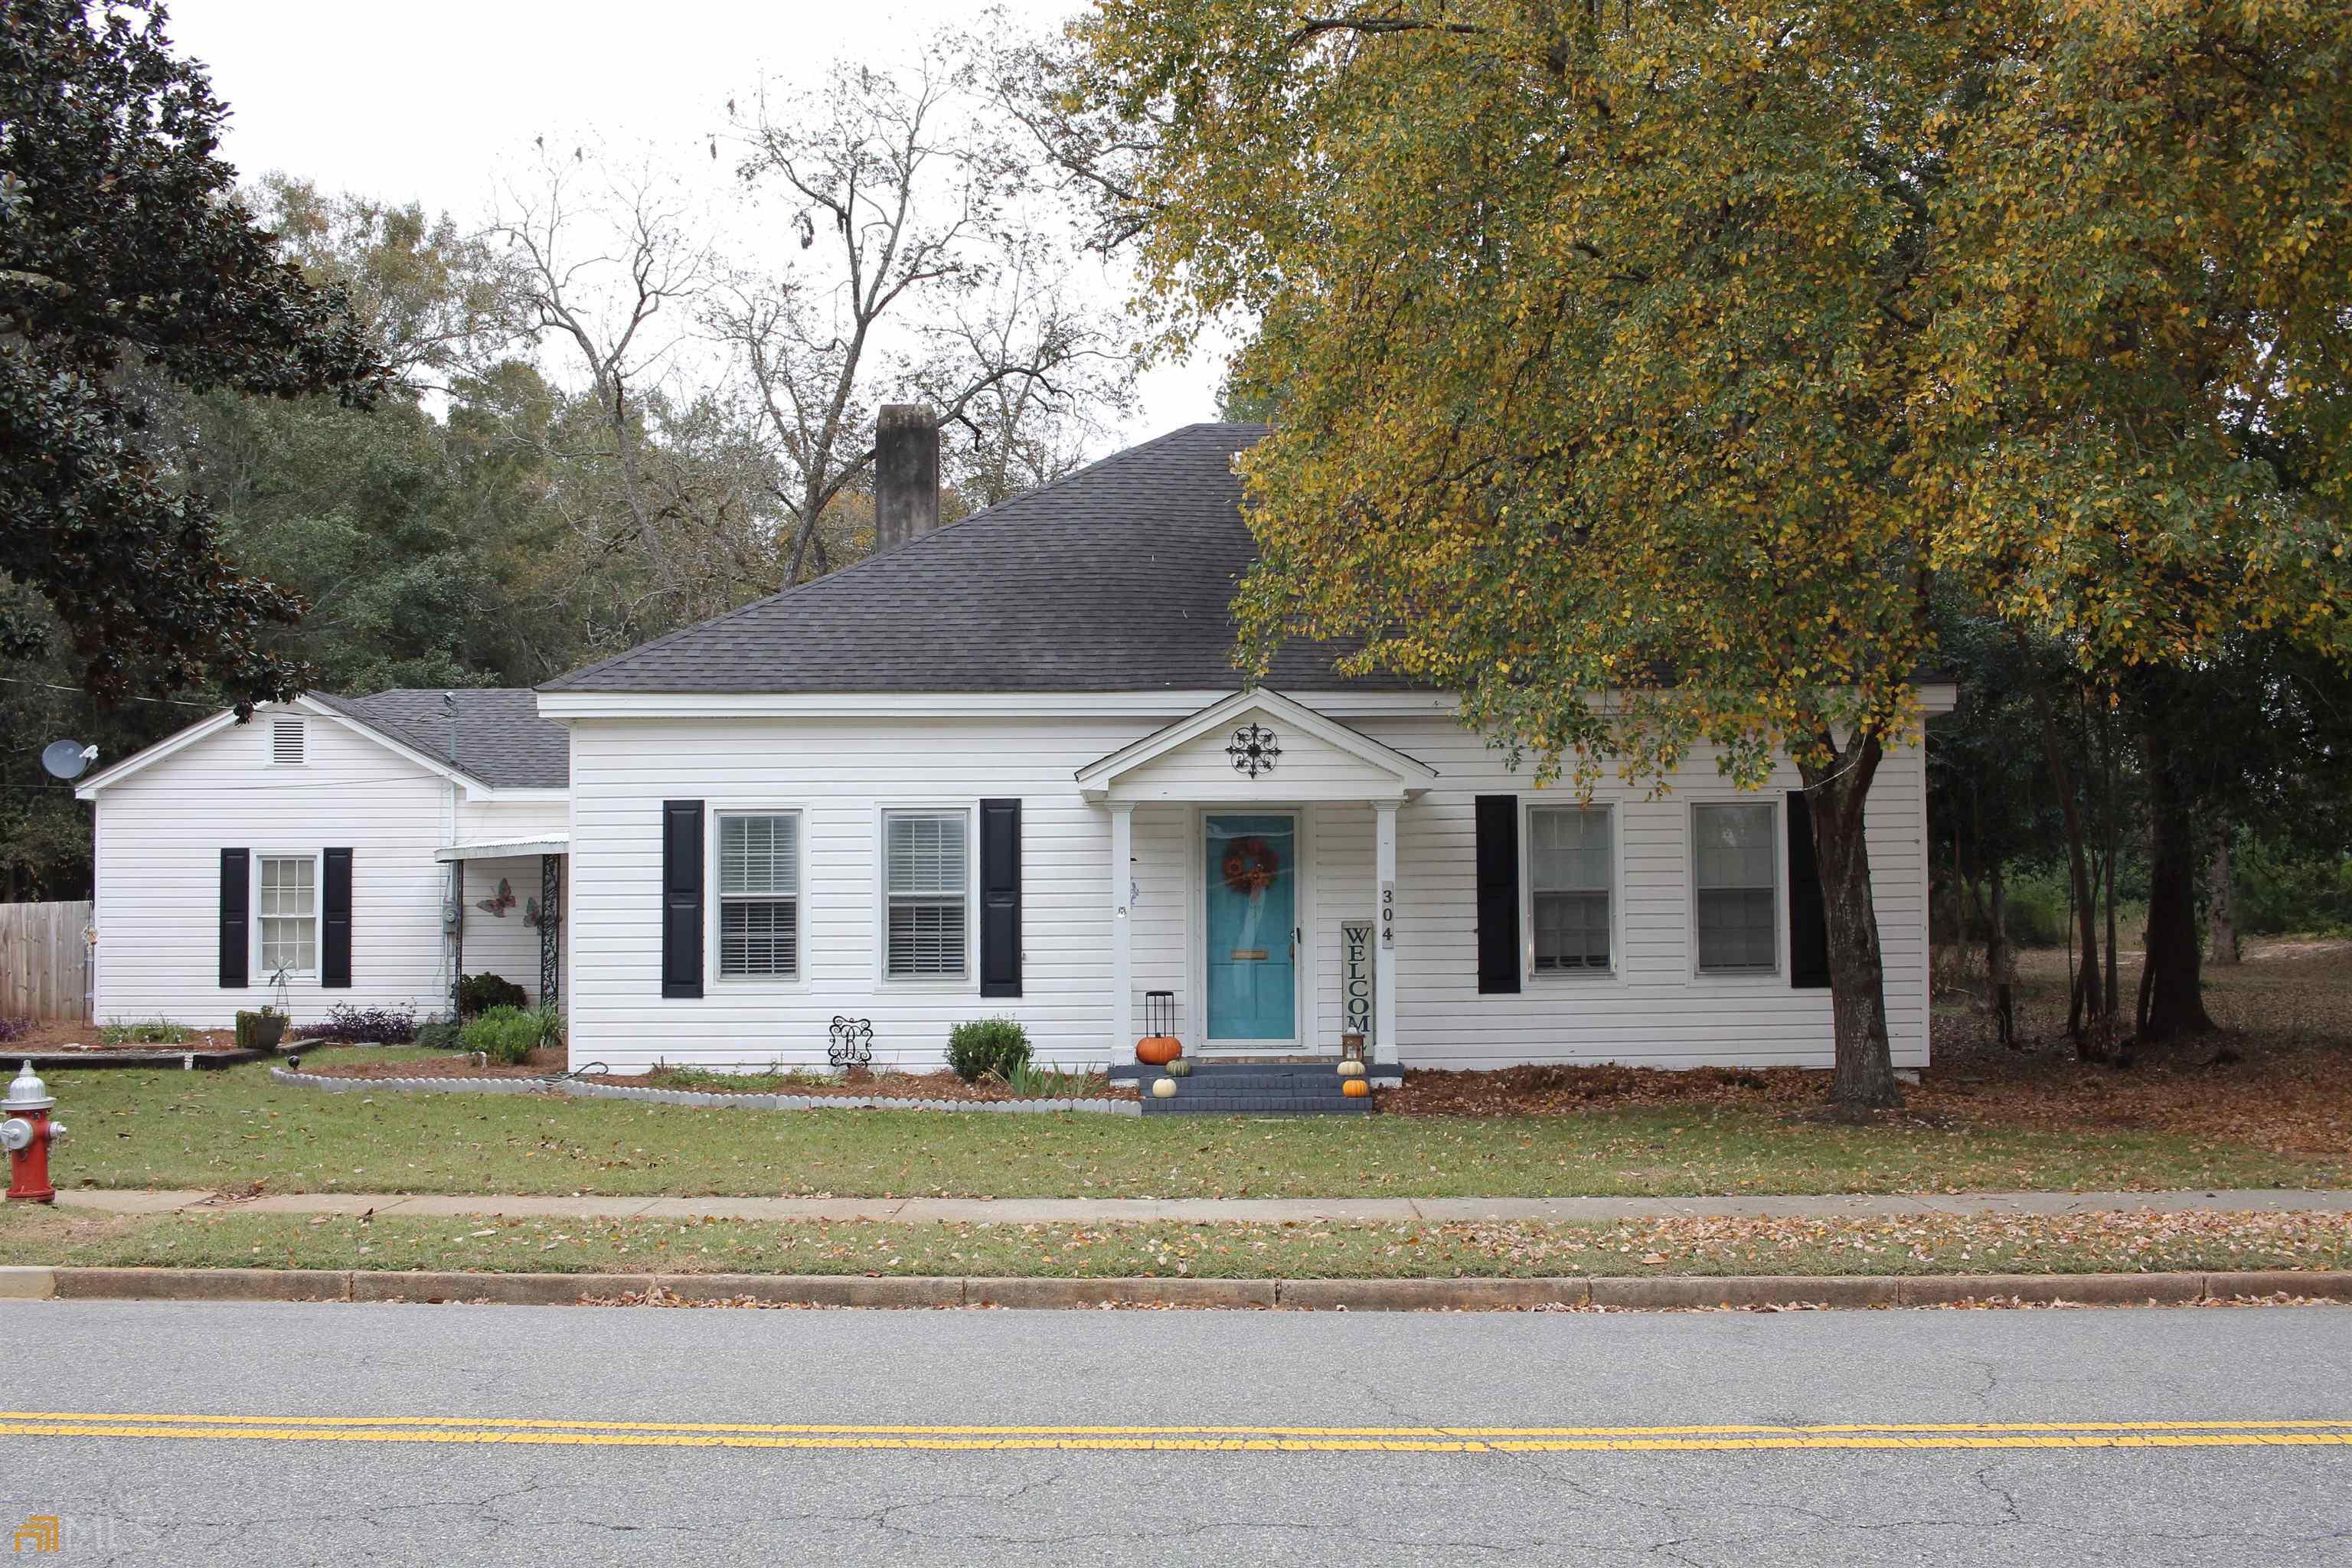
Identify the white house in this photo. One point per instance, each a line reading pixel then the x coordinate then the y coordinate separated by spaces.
pixel 356 848
pixel 1003 767
pixel 1006 768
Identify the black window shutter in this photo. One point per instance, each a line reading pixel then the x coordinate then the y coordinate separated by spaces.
pixel 335 959
pixel 1809 923
pixel 681 971
pixel 235 915
pixel 1498 893
pixel 999 898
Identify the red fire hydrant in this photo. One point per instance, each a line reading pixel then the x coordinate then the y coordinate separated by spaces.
pixel 26 1135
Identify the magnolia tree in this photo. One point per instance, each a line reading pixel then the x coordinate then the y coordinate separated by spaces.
pixel 130 275
pixel 1644 371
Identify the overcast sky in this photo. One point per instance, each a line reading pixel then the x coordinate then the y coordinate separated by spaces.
pixel 426 100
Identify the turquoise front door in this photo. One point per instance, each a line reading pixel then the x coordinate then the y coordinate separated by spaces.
pixel 1252 861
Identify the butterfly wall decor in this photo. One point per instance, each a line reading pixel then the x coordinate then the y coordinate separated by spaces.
pixel 533 916
pixel 498 906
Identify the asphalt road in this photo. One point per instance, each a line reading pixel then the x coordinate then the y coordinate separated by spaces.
pixel 571 1436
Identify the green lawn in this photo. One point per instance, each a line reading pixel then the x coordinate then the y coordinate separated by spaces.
pixel 221 1129
pixel 1929 1245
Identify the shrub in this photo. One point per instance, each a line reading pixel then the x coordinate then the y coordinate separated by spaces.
pixel 478 993
pixel 510 1035
pixel 153 1032
pixel 2037 909
pixel 364 1025
pixel 441 1035
pixel 15 1028
pixel 2278 891
pixel 982 1046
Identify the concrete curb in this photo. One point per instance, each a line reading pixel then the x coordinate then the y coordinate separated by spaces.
pixel 1632 1293
pixel 579 1090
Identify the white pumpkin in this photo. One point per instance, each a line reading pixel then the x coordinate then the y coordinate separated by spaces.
pixel 1352 1069
pixel 1163 1088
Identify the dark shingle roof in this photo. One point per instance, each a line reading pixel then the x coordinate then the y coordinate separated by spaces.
pixel 1116 578
pixel 502 739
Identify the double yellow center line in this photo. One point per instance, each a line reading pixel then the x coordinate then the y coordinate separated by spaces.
pixel 1181 1439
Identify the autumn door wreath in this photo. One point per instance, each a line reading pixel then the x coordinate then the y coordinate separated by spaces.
pixel 1250 866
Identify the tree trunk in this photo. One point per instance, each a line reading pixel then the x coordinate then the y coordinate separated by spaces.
pixel 2222 914
pixel 1835 792
pixel 2171 992
pixel 2004 1002
pixel 2084 904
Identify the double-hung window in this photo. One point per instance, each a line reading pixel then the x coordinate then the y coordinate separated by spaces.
pixel 288 912
pixel 1569 865
pixel 1736 867
pixel 759 895
pixel 926 874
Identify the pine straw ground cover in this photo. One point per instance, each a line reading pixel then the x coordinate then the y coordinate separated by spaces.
pixel 2277 1077
pixel 1941 1244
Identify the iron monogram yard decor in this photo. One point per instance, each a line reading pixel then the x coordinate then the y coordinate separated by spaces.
pixel 1253 750
pixel 853 1043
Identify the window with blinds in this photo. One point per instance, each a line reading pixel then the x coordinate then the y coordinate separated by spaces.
pixel 758 894
pixel 285 742
pixel 1571 866
pixel 1735 865
pixel 289 911
pixel 927 877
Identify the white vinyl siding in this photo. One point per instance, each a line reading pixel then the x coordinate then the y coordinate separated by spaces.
pixel 158 835
pixel 287 904
pixel 1734 859
pixel 927 886
pixel 1570 864
pixel 758 894
pixel 844 772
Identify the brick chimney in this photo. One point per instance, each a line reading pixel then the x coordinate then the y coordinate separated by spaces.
pixel 906 474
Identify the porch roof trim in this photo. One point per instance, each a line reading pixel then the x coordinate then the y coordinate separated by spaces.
pixel 1402 777
pixel 505 848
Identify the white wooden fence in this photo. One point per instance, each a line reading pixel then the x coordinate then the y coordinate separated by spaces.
pixel 44 960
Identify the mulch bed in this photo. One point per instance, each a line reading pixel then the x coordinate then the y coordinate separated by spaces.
pixel 2277 1074
pixel 53 1035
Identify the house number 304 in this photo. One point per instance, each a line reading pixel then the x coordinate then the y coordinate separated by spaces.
pixel 1388 914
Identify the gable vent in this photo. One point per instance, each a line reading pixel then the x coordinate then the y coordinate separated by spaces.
pixel 286 741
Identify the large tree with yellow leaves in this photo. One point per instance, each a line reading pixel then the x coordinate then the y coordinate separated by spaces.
pixel 1645 367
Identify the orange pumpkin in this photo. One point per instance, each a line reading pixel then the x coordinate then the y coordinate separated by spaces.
pixel 1355 1088
pixel 1158 1050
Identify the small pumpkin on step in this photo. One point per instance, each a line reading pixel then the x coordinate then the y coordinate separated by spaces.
pixel 1163 1088
pixel 1181 1068
pixel 1351 1068
pixel 1355 1088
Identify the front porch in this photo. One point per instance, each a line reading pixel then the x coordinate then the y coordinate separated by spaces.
pixel 503 910
pixel 1253 881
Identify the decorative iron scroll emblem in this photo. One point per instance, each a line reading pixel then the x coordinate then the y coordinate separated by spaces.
pixel 1254 750
pixel 853 1043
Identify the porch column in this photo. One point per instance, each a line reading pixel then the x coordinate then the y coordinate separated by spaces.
pixel 1122 882
pixel 1384 864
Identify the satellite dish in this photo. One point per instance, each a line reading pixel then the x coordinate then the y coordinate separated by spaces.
pixel 67 759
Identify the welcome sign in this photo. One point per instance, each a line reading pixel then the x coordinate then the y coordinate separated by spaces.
pixel 1356 960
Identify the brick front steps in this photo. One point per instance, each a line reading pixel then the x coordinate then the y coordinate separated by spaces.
pixel 1250 1088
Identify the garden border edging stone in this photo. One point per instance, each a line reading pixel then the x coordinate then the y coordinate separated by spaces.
pixel 583 1089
